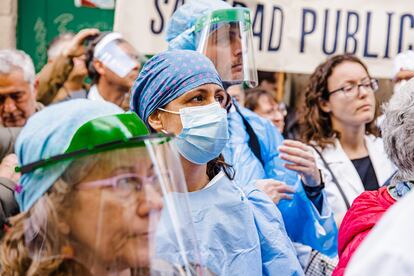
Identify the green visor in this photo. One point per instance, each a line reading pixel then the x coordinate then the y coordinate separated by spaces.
pixel 102 134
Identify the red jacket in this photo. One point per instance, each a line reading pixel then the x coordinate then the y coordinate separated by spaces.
pixel 364 213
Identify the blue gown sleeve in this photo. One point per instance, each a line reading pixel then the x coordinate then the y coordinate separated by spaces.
pixel 278 253
pixel 318 229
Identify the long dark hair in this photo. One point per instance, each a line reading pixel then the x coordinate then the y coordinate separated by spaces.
pixel 315 124
pixel 215 166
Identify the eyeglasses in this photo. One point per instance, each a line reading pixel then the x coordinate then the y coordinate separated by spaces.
pixel 352 90
pixel 277 108
pixel 123 184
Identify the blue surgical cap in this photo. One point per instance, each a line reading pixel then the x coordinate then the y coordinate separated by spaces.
pixel 180 30
pixel 167 76
pixel 48 133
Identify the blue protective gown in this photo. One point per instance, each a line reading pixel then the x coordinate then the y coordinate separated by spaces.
pixel 239 232
pixel 304 224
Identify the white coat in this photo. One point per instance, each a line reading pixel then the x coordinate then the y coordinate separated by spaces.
pixel 348 176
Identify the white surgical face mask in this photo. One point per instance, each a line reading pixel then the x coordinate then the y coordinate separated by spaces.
pixel 205 132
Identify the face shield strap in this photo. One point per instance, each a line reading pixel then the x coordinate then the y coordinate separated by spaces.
pixel 137 141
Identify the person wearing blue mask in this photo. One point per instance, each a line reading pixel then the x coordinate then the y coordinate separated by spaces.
pixel 256 149
pixel 240 230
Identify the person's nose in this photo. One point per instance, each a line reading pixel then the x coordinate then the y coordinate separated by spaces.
pixel 278 115
pixel 135 71
pixel 236 47
pixel 9 105
pixel 152 201
pixel 137 67
pixel 363 91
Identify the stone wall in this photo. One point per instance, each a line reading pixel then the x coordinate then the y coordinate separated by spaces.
pixel 8 19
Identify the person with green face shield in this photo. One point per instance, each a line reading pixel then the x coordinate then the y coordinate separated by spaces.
pixel 256 149
pixel 97 196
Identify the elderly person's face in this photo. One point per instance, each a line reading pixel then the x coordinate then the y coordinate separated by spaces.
pixel 115 225
pixel 17 99
pixel 224 49
pixel 355 107
pixel 203 95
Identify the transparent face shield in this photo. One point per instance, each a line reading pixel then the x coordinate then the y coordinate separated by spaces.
pixel 226 38
pixel 117 212
pixel 114 57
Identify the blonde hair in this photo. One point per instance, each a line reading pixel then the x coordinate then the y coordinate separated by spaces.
pixel 15 258
pixel 44 236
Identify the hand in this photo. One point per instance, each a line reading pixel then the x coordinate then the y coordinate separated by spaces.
pixel 7 166
pixel 276 190
pixel 75 47
pixel 403 75
pixel 301 160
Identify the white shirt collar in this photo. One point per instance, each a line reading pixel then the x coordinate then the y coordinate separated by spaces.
pixel 213 181
pixel 94 94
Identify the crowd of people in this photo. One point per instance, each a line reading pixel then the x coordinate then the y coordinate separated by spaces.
pixel 178 165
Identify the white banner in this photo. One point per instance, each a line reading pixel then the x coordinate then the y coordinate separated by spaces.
pixel 293 35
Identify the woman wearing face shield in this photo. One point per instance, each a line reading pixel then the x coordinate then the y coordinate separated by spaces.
pixel 240 231
pixel 93 194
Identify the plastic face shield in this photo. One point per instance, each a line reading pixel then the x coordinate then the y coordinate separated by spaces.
pixel 116 212
pixel 114 57
pixel 226 38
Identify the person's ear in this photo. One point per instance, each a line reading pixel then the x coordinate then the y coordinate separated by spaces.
pixel 99 67
pixel 325 105
pixel 154 120
pixel 34 87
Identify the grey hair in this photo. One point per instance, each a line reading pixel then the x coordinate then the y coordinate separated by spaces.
pixel 398 129
pixel 11 60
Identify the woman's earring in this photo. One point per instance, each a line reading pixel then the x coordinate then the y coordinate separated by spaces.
pixel 67 252
pixel 164 131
